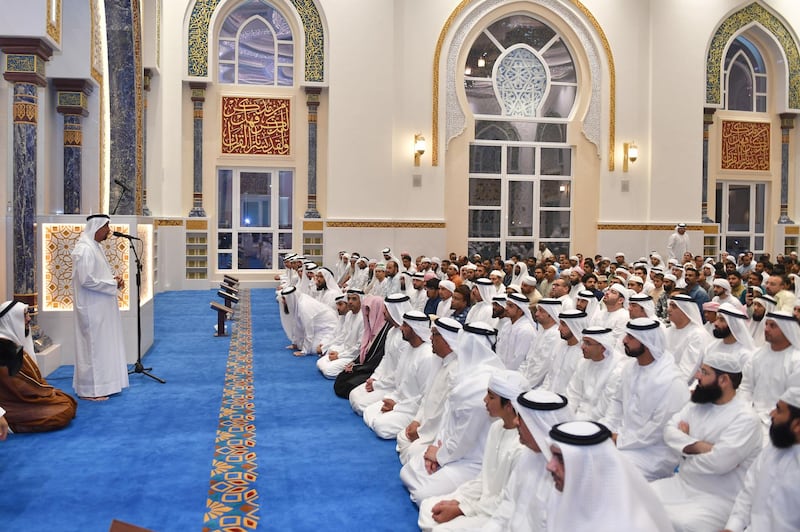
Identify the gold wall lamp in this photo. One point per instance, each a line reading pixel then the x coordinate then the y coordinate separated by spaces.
pixel 630 152
pixel 419 147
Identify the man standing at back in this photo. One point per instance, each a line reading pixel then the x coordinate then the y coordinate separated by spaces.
pixel 100 367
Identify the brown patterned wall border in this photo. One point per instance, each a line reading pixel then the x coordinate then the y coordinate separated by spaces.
pixel 389 225
pixel 654 227
pixel 195 225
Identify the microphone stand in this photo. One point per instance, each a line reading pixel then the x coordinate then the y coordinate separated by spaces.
pixel 138 367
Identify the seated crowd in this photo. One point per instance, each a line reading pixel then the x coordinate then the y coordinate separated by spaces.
pixel 568 393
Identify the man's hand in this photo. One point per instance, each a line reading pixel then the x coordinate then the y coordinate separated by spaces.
pixel 411 431
pixel 388 405
pixel 3 428
pixel 698 447
pixel 431 464
pixel 368 385
pixel 120 282
pixel 444 511
pixel 683 427
pixel 348 368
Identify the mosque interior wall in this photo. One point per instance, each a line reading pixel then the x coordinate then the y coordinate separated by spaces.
pixel 378 93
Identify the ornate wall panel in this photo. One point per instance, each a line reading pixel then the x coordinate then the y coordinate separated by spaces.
pixel 728 29
pixel 255 126
pixel 198 38
pixel 58 242
pixel 745 145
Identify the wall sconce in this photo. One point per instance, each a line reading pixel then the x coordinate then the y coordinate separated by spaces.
pixel 630 152
pixel 419 148
pixel 482 60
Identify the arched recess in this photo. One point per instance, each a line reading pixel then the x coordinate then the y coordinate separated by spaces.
pixel 586 127
pixel 735 24
pixel 309 16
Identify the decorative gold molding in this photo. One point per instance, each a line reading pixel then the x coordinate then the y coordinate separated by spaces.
pixel 792 230
pixel 54 20
pixel 313 226
pixel 166 222
pixel 195 225
pixel 652 227
pixel 436 57
pixel 612 80
pixel 388 225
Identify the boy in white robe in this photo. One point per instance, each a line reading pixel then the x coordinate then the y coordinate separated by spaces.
pixel 473 502
pixel 341 353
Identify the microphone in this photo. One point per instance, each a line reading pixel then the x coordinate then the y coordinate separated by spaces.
pixel 122 185
pixel 123 235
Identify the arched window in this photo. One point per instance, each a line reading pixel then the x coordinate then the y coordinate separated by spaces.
pixel 521 85
pixel 745 77
pixel 256 47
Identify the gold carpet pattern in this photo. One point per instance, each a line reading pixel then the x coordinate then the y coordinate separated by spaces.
pixel 232 504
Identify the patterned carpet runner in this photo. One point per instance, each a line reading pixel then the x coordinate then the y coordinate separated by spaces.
pixel 232 504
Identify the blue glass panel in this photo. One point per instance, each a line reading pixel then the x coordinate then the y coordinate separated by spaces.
pixel 255 201
pixel 226 72
pixel 227 50
pixel 256 55
pixel 225 199
pixel 286 200
pixel 255 251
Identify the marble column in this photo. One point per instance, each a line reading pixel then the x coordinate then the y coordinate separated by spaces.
pixel 787 124
pixel 312 100
pixel 125 87
pixel 25 68
pixel 148 74
pixel 72 98
pixel 198 91
pixel 708 119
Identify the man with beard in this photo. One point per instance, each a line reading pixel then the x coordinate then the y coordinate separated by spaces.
pixel 730 330
pixel 652 390
pixel 717 436
pixel 693 289
pixel 662 305
pixel 560 290
pixel 768 373
pixel 761 305
pixel 768 500
pixel 615 315
pixel 327 289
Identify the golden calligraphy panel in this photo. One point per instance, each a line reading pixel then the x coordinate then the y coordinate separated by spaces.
pixel 745 145
pixel 255 126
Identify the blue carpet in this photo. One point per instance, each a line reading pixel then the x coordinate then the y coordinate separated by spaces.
pixel 145 455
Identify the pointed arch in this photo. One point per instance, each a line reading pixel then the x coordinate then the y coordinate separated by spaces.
pixel 738 21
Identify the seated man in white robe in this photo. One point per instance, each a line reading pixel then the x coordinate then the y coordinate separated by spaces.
pixel 315 323
pixel 597 490
pixel 514 340
pixel 597 377
pixel 768 500
pixel 587 302
pixel 758 309
pixel 687 339
pixel 428 418
pixel 568 352
pixel 417 293
pixel 767 373
pixel 482 293
pixel 615 315
pixel 473 502
pixel 651 392
pixel 539 357
pixel 327 288
pixel 730 330
pixel 457 454
pixel 523 502
pixel 718 438
pixel 416 368
pixel 340 306
pixel 641 305
pixel 382 380
pixel 446 289
pixel 339 355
